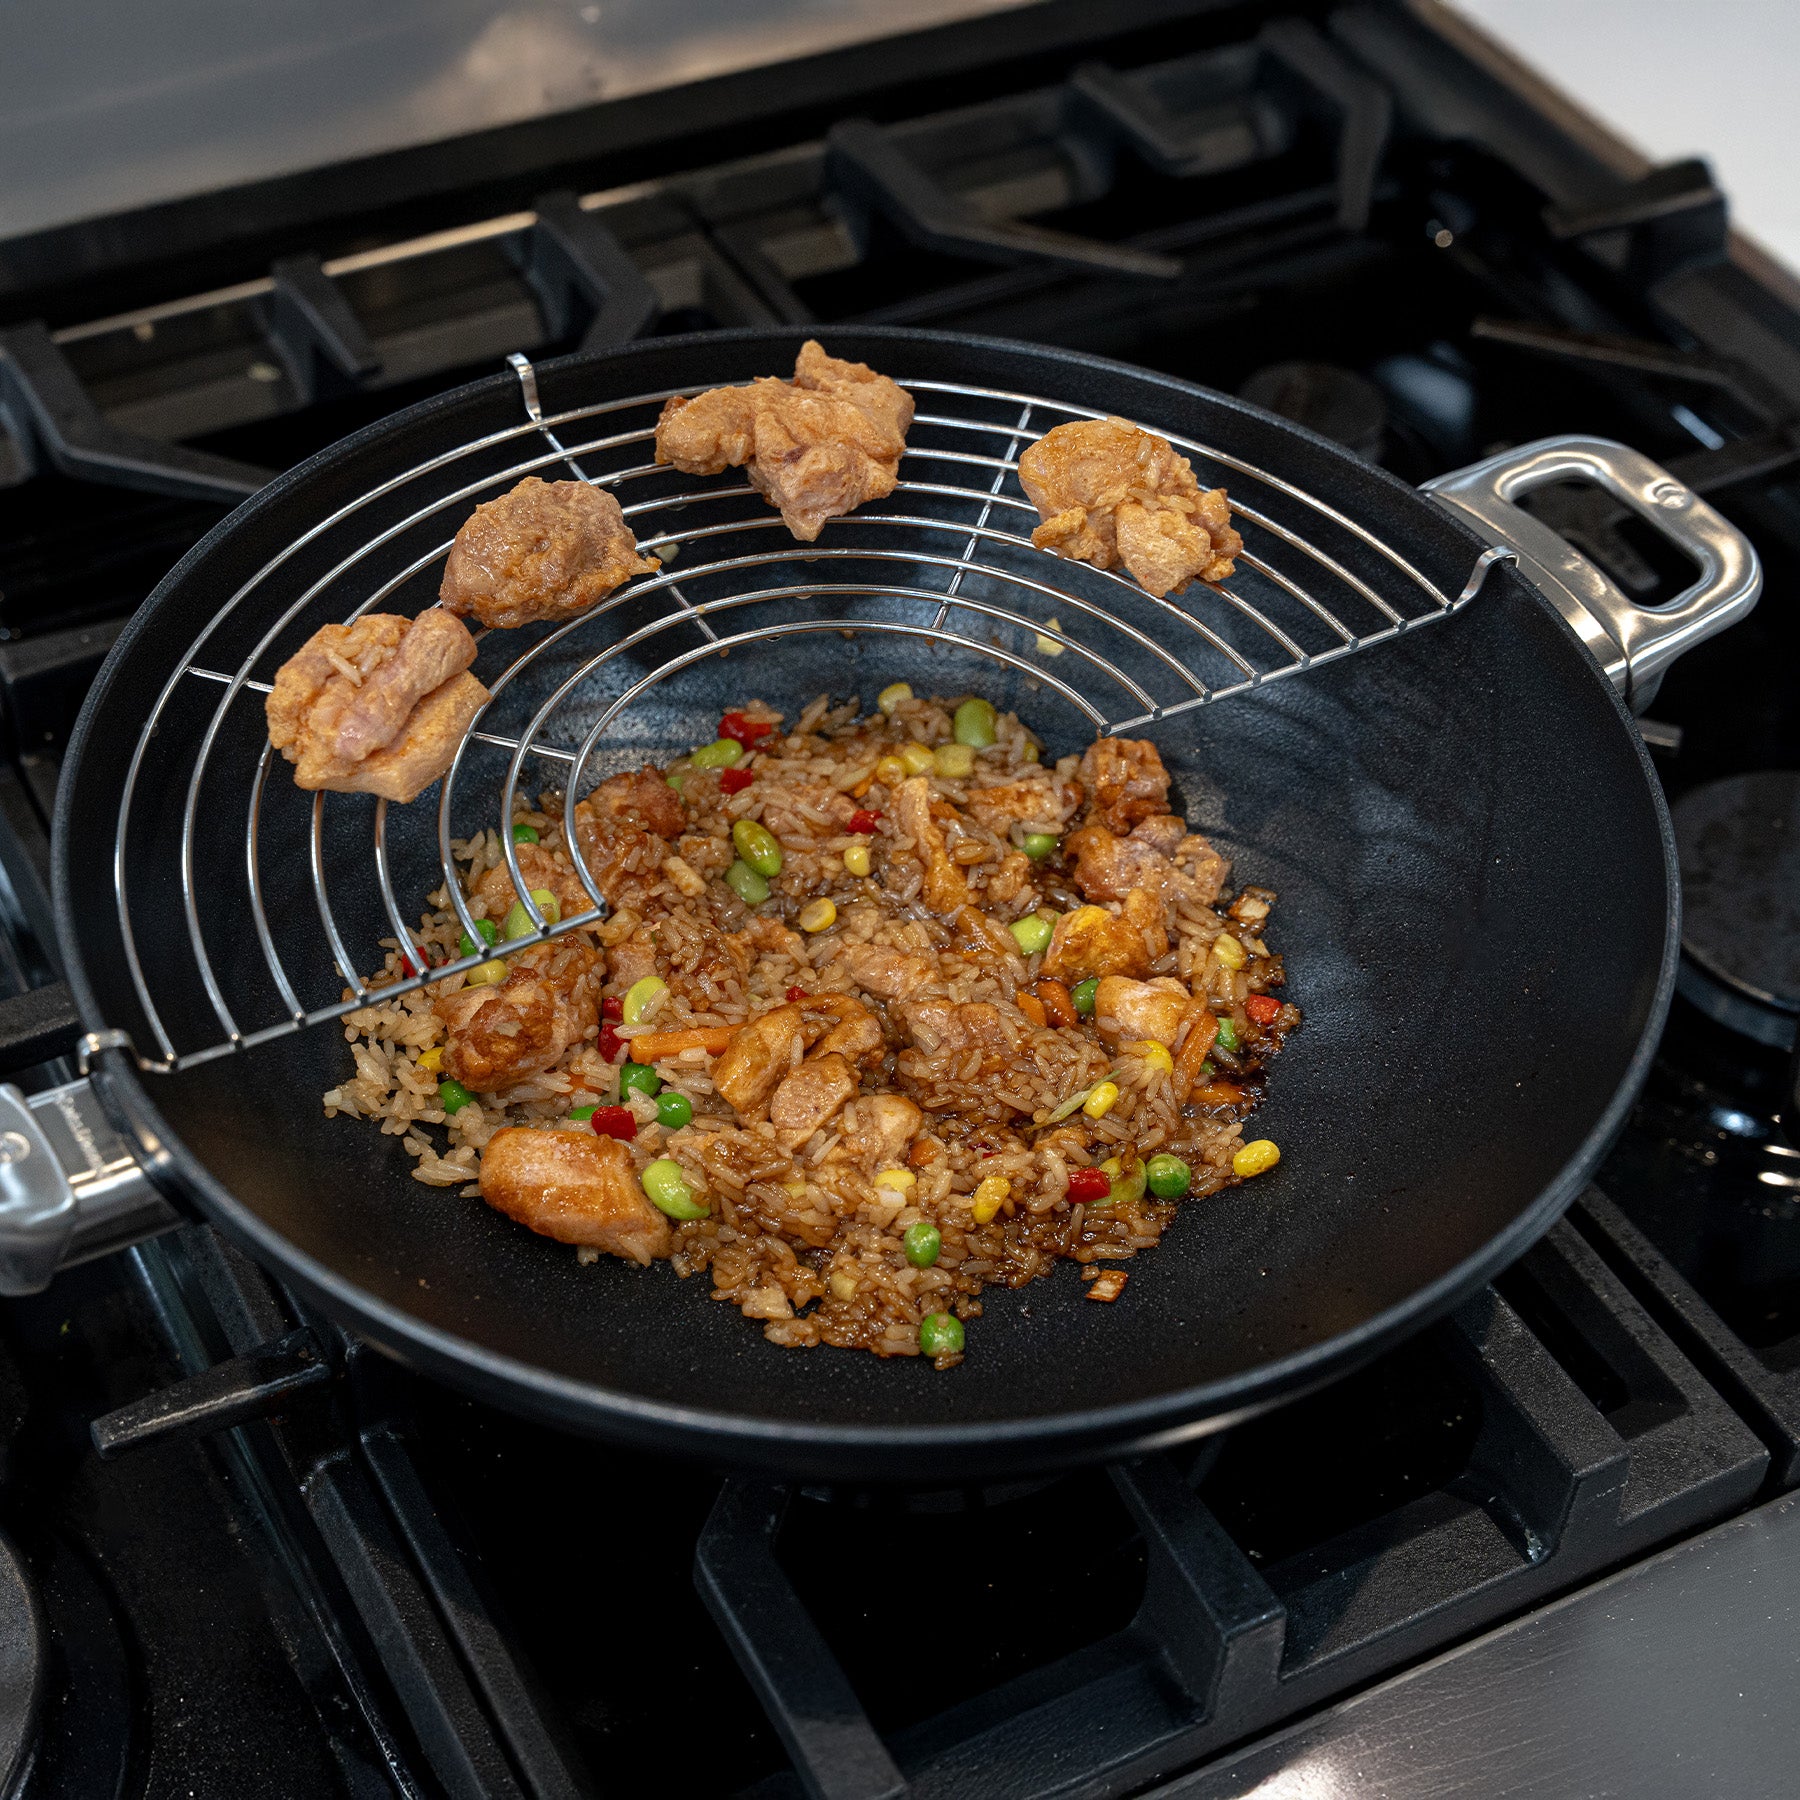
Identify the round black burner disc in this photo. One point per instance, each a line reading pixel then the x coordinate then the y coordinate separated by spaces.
pixel 1335 402
pixel 1739 843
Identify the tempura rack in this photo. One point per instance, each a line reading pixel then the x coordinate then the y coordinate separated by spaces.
pixel 945 560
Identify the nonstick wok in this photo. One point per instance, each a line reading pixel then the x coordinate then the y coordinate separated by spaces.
pixel 1478 902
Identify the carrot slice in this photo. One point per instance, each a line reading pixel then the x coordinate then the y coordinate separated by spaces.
pixel 1058 1004
pixel 1195 1049
pixel 653 1046
pixel 1031 1006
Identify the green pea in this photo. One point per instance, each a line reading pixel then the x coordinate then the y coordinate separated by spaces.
pixel 525 834
pixel 1082 993
pixel 453 1096
pixel 582 1114
pixel 639 1078
pixel 674 1111
pixel 721 753
pixel 669 1192
pixel 974 725
pixel 1169 1176
pixel 1031 933
pixel 518 920
pixel 746 884
pixel 1208 1069
pixel 1039 844
pixel 757 846
pixel 922 1241
pixel 940 1334
pixel 1227 1039
pixel 486 929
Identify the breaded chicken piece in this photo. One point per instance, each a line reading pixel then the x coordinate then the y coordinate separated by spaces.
pixel 888 974
pixel 546 550
pixel 818 446
pixel 574 1187
pixel 497 1036
pixel 378 706
pixel 946 888
pixel 1115 496
pixel 1126 782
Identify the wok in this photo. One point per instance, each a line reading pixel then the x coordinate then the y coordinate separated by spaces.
pixel 1478 900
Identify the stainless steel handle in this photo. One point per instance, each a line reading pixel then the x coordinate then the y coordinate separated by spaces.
pixel 1633 643
pixel 70 1188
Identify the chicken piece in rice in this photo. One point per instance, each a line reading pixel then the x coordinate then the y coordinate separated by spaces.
pixel 576 1188
pixel 879 1101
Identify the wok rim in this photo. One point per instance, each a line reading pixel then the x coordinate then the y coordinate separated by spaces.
pixel 796 1446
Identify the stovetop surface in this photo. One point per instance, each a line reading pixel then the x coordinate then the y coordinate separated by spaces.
pixel 390 1588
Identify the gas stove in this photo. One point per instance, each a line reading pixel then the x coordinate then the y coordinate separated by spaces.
pixel 245 1556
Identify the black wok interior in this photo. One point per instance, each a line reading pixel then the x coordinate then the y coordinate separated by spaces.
pixel 1475 909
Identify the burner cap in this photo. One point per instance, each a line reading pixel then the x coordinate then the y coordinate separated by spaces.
pixel 1336 403
pixel 1739 842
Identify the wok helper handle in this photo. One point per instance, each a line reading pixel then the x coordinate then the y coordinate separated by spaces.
pixel 70 1188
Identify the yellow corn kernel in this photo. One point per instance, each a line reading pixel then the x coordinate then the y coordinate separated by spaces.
pixel 488 974
pixel 1100 1102
pixel 955 760
pixel 891 696
pixel 818 914
pixel 1155 1054
pixel 1030 753
pixel 901 1180
pixel 796 1188
pixel 1256 1159
pixel 1228 950
pixel 856 859
pixel 989 1196
pixel 916 758
pixel 891 771
pixel 433 1058
pixel 1048 646
pixel 843 1284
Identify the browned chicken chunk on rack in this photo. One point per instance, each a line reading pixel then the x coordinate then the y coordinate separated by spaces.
pixel 1115 496
pixel 546 550
pixel 818 446
pixel 378 706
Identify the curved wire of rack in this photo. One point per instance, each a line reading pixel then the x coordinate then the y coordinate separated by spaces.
pixel 965 576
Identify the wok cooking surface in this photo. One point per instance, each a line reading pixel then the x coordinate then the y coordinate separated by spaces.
pixel 1422 809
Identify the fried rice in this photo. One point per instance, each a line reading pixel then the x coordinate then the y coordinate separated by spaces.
pixel 809 1238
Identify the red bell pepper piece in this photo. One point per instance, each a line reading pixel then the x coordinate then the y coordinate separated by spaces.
pixel 746 731
pixel 614 1122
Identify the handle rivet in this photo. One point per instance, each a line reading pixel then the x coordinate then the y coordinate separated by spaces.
pixel 15 1146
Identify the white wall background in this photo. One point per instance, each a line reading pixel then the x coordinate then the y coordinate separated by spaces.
pixel 1712 78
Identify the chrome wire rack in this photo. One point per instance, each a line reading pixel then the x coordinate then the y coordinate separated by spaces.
pixel 945 563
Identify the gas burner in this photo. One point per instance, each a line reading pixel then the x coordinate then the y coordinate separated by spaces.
pixel 1335 402
pixel 1739 842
